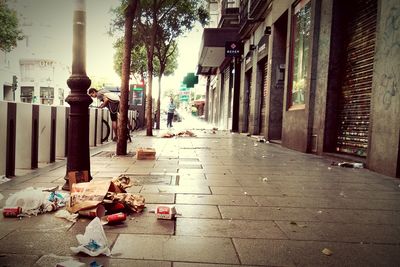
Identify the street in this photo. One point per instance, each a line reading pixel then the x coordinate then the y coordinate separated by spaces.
pixel 239 202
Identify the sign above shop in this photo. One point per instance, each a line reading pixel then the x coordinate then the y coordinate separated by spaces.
pixel 233 49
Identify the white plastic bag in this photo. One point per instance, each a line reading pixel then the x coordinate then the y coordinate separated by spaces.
pixel 29 199
pixel 94 242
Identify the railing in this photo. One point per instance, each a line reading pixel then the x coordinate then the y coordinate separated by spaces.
pixel 32 134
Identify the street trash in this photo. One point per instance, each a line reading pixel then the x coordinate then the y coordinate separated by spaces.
pixel 94 241
pixel 71 263
pixel 132 202
pixel 98 211
pixel 165 212
pixel 4 179
pixel 145 153
pixel 113 218
pixel 186 133
pixel 95 264
pixel 86 198
pixel 12 212
pixel 265 179
pixel 327 252
pixel 66 215
pixel 34 201
pixel 355 165
pixel 167 135
pixel 1 196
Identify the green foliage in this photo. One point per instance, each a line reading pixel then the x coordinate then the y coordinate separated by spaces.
pixel 9 32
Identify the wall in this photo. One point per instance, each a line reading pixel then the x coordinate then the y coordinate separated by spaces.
pixel 384 132
pixel 297 121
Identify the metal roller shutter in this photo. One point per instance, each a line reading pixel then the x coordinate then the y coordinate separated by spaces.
pixel 355 97
pixel 264 89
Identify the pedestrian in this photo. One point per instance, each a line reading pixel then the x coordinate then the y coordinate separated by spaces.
pixel 109 100
pixel 171 110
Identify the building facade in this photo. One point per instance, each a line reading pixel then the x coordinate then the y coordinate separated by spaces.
pixel 316 76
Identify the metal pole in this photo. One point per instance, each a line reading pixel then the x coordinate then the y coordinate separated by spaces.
pixel 78 158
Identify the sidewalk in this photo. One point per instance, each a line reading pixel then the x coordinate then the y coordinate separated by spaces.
pixel 241 202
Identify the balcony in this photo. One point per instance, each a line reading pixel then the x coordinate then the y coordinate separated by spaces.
pixel 229 14
pixel 252 12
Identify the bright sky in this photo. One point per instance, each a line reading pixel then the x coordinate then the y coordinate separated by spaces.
pixel 57 14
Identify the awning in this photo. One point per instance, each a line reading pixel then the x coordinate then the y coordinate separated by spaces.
pixel 212 48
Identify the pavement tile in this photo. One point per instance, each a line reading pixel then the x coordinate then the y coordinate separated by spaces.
pixel 250 191
pixel 175 248
pixel 134 224
pixel 341 232
pixel 268 213
pixel 198 211
pixel 215 200
pixel 308 253
pixel 52 260
pixel 160 198
pixel 228 228
pixel 15 260
pixel 186 264
pixel 222 182
pixel 199 189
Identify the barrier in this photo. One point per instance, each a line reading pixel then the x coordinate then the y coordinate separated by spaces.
pixel 44 133
pixel 39 133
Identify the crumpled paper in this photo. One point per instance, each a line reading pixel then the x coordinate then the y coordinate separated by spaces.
pixel 94 242
pixel 134 202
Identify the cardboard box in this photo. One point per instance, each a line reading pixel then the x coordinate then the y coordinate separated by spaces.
pixel 145 153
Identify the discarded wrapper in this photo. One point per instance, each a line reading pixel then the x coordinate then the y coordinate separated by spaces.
pixel 98 211
pixel 113 218
pixel 165 212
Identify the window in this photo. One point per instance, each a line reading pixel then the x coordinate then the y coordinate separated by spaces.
pixel 300 46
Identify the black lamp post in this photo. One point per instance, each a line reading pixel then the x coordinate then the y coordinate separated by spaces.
pixel 78 158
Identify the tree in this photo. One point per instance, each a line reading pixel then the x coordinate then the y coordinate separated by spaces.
pixel 9 32
pixel 126 63
pixel 166 53
pixel 175 17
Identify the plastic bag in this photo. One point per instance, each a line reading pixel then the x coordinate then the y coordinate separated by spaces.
pixel 30 200
pixel 94 241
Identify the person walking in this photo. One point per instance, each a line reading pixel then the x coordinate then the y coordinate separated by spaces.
pixel 171 110
pixel 109 100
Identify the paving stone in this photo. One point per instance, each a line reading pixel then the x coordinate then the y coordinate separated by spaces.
pixel 268 213
pixel 175 248
pixel 250 191
pixel 225 182
pixel 215 200
pixel 134 224
pixel 175 189
pixel 345 232
pixel 198 211
pixel 52 260
pixel 308 253
pixel 186 264
pixel 15 260
pixel 228 228
pixel 160 198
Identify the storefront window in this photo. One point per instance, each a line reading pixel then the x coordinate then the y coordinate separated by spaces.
pixel 300 45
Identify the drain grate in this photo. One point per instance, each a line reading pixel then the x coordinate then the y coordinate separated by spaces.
pixel 153 179
pixel 110 154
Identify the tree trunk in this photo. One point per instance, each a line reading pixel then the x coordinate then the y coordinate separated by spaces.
pixel 149 100
pixel 158 104
pixel 123 106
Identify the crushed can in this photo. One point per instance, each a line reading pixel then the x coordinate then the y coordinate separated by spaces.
pixel 165 212
pixel 113 218
pixel 12 211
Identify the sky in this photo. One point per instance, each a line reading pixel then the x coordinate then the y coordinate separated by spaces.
pixel 55 20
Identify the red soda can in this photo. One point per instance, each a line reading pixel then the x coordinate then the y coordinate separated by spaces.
pixel 114 218
pixel 12 211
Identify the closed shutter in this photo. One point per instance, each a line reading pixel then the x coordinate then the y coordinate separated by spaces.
pixel 264 67
pixel 355 97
